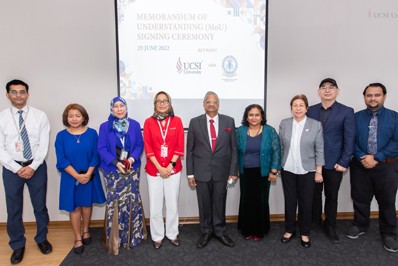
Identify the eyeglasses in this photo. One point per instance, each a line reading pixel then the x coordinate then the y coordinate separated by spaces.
pixel 160 102
pixel 14 92
pixel 324 88
pixel 211 102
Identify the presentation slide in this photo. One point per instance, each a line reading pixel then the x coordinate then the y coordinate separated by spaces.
pixel 189 47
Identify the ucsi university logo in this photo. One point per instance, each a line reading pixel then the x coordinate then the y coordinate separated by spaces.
pixel 189 67
pixel 382 14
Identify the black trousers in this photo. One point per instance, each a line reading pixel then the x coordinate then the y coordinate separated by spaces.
pixel 381 182
pixel 298 190
pixel 331 183
pixel 212 197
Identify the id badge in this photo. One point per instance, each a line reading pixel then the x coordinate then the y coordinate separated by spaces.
pixel 18 146
pixel 123 155
pixel 163 151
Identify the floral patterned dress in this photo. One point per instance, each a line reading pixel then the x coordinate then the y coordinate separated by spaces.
pixel 124 214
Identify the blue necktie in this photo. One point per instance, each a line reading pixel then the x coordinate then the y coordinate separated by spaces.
pixel 27 152
pixel 372 139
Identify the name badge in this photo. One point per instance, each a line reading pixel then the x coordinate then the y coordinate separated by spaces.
pixel 123 155
pixel 164 151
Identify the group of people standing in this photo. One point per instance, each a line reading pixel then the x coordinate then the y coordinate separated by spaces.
pixel 313 149
pixel 320 143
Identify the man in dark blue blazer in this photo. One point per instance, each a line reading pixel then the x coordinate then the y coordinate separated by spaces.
pixel 338 123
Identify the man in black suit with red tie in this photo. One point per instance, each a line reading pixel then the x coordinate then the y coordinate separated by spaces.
pixel 212 160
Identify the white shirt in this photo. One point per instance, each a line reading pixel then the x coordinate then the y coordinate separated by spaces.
pixel 293 162
pixel 215 126
pixel 38 128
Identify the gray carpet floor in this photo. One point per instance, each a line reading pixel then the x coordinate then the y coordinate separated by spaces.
pixel 367 250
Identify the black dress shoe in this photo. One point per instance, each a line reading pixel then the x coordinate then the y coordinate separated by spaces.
pixel 331 234
pixel 305 244
pixel 45 247
pixel 17 255
pixel 226 241
pixel 175 242
pixel 157 245
pixel 287 239
pixel 78 250
pixel 203 240
pixel 87 241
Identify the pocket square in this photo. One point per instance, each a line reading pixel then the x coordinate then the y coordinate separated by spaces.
pixel 306 130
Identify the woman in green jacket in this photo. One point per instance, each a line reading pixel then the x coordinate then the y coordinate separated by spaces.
pixel 259 154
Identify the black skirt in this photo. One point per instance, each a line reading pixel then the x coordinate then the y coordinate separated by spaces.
pixel 254 217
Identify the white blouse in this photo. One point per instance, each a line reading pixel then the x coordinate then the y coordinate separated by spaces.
pixel 293 162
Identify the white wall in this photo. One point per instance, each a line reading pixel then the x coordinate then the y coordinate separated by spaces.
pixel 352 41
pixel 66 51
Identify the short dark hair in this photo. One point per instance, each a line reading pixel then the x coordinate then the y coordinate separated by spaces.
pixel 16 82
pixel 78 107
pixel 301 97
pixel 375 85
pixel 246 114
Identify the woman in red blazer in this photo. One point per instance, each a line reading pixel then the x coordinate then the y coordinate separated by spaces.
pixel 164 146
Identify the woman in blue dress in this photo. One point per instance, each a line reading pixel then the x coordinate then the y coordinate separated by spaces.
pixel 120 146
pixel 77 160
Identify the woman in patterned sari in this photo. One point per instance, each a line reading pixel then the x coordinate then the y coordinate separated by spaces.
pixel 120 146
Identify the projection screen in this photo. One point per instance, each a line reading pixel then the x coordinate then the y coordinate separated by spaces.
pixel 189 47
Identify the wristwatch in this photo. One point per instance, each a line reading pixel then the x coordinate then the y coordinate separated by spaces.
pixel 274 173
pixel 173 163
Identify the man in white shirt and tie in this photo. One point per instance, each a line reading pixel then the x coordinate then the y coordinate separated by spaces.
pixel 24 138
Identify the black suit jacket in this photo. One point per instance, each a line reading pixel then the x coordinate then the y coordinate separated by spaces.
pixel 201 161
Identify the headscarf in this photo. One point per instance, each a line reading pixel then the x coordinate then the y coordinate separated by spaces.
pixel 119 125
pixel 162 116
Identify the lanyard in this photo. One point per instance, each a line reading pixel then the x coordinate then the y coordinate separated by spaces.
pixel 19 130
pixel 122 141
pixel 165 133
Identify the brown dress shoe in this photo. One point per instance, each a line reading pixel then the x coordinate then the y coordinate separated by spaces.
pixel 157 245
pixel 175 242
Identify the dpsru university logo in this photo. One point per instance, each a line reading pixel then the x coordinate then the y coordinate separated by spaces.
pixel 189 67
pixel 229 65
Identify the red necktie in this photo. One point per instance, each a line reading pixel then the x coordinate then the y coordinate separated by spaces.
pixel 213 134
